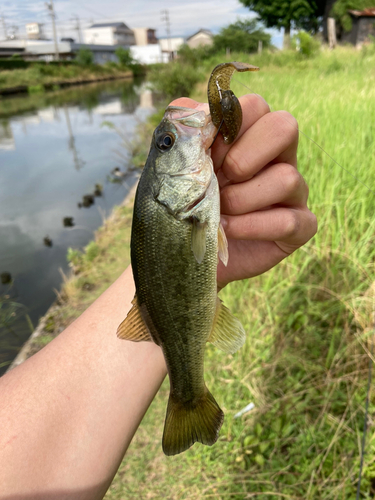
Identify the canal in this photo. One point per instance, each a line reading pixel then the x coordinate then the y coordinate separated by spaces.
pixel 63 167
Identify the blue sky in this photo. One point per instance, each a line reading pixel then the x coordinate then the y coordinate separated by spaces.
pixel 186 16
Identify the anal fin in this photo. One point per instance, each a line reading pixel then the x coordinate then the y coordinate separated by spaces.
pixel 133 327
pixel 227 333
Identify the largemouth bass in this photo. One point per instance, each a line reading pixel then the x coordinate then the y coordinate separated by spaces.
pixel 175 242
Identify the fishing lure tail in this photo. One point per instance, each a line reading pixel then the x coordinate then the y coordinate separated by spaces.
pixel 187 423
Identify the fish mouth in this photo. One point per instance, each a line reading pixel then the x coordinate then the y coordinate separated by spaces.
pixel 190 122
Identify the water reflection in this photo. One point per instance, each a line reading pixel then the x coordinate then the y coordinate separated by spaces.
pixel 54 154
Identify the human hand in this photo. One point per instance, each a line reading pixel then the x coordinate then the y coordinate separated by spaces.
pixel 263 196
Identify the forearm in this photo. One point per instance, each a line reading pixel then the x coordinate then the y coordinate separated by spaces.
pixel 69 413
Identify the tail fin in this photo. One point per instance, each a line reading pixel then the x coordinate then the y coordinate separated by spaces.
pixel 187 423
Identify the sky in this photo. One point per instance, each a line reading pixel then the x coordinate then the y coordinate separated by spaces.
pixel 186 16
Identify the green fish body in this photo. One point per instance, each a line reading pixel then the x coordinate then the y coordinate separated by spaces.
pixel 175 242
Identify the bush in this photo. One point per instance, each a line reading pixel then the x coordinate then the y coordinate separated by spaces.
pixel 306 45
pixel 124 56
pixel 174 79
pixel 85 57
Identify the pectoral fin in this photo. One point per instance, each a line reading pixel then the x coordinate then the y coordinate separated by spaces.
pixel 227 333
pixel 133 327
pixel 222 245
pixel 198 239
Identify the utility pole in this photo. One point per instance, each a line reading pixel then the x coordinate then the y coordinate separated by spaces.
pixel 77 28
pixel 165 17
pixel 4 26
pixel 52 14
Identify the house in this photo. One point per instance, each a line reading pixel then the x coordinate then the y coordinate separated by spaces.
pixel 363 25
pixel 145 36
pixel 34 31
pixel 201 37
pixel 109 34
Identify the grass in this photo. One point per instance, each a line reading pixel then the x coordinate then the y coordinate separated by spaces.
pixel 309 321
pixel 38 75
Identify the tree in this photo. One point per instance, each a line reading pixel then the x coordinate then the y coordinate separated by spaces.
pixel 300 14
pixel 85 57
pixel 124 56
pixel 242 36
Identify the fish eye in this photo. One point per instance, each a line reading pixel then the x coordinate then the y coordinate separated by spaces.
pixel 164 141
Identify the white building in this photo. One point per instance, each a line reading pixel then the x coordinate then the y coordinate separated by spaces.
pixel 109 34
pixel 148 54
pixel 34 31
pixel 45 50
pixel 170 45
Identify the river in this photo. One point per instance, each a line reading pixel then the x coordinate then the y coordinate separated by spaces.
pixel 54 149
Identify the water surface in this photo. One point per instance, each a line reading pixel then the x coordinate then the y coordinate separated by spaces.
pixel 54 149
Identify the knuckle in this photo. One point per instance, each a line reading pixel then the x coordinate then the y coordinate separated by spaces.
pixel 254 103
pixel 291 179
pixel 231 166
pixel 291 224
pixel 229 199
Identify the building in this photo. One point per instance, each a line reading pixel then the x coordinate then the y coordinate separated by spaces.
pixel 363 25
pixel 109 34
pixel 34 31
pixel 145 36
pixel 200 38
pixel 170 45
pixel 148 54
pixel 44 50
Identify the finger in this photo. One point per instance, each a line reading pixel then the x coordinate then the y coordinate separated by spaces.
pixel 272 139
pixel 280 183
pixel 287 225
pixel 253 108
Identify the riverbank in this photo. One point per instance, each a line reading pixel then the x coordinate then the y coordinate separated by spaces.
pixel 39 78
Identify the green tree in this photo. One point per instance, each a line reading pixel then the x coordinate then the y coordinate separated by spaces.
pixel 301 14
pixel 124 56
pixel 85 57
pixel 242 36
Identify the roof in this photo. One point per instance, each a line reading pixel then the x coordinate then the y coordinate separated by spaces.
pixel 370 12
pixel 109 25
pixel 202 30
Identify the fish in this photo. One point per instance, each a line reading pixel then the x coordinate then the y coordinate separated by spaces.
pixel 176 240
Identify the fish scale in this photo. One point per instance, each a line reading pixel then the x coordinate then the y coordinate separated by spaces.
pixel 175 242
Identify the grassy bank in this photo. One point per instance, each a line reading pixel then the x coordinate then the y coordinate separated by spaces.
pixel 40 76
pixel 309 321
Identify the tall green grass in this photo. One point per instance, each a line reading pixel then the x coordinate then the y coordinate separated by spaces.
pixel 309 321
